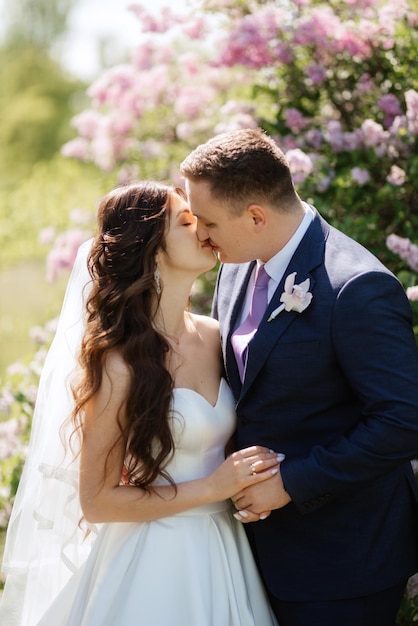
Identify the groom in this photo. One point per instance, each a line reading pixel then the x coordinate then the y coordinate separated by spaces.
pixel 328 376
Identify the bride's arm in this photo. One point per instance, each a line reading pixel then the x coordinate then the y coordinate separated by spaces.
pixel 104 499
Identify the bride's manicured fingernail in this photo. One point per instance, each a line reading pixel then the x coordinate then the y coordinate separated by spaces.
pixel 237 516
pixel 243 514
pixel 280 457
pixel 263 516
pixel 274 471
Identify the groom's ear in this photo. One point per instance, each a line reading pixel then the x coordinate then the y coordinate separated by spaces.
pixel 258 216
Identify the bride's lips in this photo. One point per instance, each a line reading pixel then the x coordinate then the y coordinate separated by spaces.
pixel 208 244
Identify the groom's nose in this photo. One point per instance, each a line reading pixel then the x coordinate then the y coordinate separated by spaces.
pixel 202 231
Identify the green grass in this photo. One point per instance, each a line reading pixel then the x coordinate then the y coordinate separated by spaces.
pixel 26 300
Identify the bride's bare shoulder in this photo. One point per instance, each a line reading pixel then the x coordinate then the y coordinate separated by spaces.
pixel 206 324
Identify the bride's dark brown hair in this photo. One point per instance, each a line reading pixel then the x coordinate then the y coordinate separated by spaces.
pixel 132 223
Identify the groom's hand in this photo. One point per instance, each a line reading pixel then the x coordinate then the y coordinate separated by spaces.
pixel 261 497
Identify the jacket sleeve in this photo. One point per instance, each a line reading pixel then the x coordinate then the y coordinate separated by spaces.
pixel 376 350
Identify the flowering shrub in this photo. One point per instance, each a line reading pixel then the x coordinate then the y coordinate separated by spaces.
pixel 408 252
pixel 332 81
pixel 17 401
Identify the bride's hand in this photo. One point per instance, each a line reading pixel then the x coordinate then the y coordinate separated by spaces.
pixel 241 469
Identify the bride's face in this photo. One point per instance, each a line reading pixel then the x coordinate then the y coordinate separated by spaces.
pixel 184 251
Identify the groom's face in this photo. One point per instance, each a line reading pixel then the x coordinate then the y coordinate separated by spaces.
pixel 230 236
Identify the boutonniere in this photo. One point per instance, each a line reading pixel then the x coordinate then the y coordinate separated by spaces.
pixel 294 297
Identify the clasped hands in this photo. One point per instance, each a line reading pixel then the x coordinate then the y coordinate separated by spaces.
pixel 256 501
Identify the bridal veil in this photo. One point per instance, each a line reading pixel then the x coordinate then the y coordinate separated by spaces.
pixel 45 543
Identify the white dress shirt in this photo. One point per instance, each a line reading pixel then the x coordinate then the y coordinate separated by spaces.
pixel 276 266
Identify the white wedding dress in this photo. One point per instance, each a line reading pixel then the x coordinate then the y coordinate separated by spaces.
pixel 190 569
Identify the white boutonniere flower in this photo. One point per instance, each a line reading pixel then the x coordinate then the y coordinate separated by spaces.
pixel 294 297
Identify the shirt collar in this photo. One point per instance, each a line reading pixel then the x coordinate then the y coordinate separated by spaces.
pixel 276 266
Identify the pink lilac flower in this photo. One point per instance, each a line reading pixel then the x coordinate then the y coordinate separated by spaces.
pixel 185 131
pixel 324 181
pixel 389 103
pixel 192 100
pixel 142 56
pixel 238 121
pixel 190 63
pixel 364 85
pixel 339 140
pixel 360 175
pixel 294 120
pixel 405 249
pixel 39 335
pixel 315 138
pixel 300 165
pixel 412 293
pixel 233 107
pixel 154 24
pixel 62 255
pixel 317 74
pixel 249 43
pixel 78 148
pixel 373 133
pixel 319 27
pixel 349 41
pixel 361 4
pixel 10 443
pixel 195 28
pixel 396 176
pixel 391 107
pixel 109 88
pixel 87 123
pixel 289 142
pixel 17 368
pixel 334 135
pixel 46 235
pixel 411 99
pixel 6 401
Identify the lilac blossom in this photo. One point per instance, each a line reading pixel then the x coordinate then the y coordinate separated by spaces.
pixel 10 442
pixel 318 28
pixel 62 255
pixel 405 249
pixel 396 176
pixel 373 134
pixel 317 74
pixel 360 175
pixel 151 23
pixel 300 165
pixel 46 235
pixel 391 107
pixel 6 401
pixel 295 121
pixel 251 41
pixel 412 293
pixel 411 99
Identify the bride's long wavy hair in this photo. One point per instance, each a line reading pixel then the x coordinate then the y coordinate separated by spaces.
pixel 132 223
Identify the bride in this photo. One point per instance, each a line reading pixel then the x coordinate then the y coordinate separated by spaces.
pixel 123 514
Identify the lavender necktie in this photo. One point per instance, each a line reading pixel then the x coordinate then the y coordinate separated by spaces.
pixel 242 336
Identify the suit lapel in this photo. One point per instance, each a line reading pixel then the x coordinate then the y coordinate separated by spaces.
pixel 239 289
pixel 307 257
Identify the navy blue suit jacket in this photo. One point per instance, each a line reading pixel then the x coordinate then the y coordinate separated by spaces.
pixel 335 388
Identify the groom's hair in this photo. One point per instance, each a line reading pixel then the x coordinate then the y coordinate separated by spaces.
pixel 243 167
